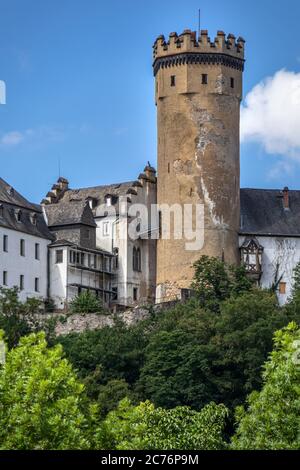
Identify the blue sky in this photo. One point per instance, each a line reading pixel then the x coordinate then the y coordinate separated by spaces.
pixel 80 87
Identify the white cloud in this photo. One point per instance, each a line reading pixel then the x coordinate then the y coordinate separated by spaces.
pixel 12 138
pixel 40 135
pixel 271 114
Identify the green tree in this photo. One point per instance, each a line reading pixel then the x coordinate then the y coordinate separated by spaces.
pixel 144 427
pixel 272 418
pixel 86 302
pixel 110 394
pixel 214 281
pixel 42 403
pixel 195 356
pixel 107 354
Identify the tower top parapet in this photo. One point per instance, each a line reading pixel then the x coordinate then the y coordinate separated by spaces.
pixel 189 43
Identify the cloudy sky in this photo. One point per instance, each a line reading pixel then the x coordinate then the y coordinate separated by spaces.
pixel 80 87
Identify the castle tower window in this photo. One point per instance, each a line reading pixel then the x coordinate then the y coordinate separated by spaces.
pixel 135 294
pixel 37 284
pixel 173 80
pixel 232 82
pixel 21 282
pixel 204 79
pixel 5 278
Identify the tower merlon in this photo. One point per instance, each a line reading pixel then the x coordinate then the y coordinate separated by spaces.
pixel 189 42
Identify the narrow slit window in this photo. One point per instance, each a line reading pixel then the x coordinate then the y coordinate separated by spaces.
pixel 173 80
pixel 232 82
pixel 204 79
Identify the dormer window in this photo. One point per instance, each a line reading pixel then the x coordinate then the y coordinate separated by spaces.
pixel 108 200
pixel 251 257
pixel 92 202
pixel 11 191
pixel 33 218
pixel 18 215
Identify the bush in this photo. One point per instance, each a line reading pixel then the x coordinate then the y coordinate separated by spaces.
pixel 86 302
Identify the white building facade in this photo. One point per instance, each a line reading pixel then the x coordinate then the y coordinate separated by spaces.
pixel 24 241
pixel 134 258
pixel 270 238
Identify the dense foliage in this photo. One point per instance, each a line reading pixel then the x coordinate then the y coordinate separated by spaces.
pixel 42 403
pixel 271 420
pixel 146 427
pixel 172 381
pixel 214 281
pixel 20 318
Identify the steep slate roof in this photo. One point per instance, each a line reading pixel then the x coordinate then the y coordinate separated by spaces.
pixel 11 196
pixel 262 213
pixel 69 213
pixel 99 192
pixel 12 202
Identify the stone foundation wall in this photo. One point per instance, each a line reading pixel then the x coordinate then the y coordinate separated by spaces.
pixel 78 323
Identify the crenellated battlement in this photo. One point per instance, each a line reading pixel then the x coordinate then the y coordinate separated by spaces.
pixel 189 44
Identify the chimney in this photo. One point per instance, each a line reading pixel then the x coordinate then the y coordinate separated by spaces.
pixel 286 199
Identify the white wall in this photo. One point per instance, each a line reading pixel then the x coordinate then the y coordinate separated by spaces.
pixel 58 277
pixel 284 252
pixel 127 278
pixel 15 264
pixel 62 275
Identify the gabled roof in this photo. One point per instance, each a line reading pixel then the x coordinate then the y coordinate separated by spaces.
pixel 69 213
pixel 263 213
pixel 12 203
pixel 9 195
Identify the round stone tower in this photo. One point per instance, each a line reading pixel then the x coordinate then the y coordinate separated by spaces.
pixel 198 95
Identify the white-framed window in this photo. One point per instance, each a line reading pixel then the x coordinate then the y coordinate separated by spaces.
pixel 106 229
pixel 59 256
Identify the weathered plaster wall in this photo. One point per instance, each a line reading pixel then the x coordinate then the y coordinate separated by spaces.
pixel 282 255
